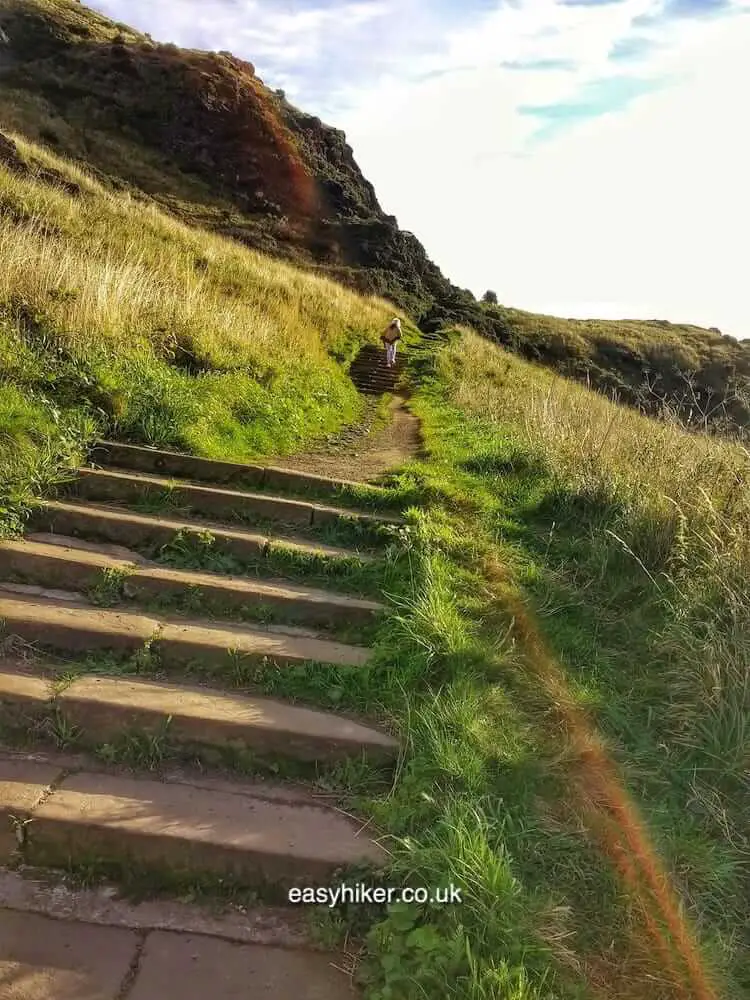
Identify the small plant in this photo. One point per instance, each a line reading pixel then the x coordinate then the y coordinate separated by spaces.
pixel 137 749
pixel 60 729
pixel 109 588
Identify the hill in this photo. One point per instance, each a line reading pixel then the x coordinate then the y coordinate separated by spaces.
pixel 673 370
pixel 199 134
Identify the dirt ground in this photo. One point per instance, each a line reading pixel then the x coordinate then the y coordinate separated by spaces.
pixel 361 454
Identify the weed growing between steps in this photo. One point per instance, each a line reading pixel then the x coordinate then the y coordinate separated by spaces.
pixel 347 530
pixel 156 747
pixel 352 575
pixel 38 444
pixel 114 587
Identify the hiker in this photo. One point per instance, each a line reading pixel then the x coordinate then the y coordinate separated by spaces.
pixel 390 337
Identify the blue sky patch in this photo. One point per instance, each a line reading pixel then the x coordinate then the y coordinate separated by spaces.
pixel 539 65
pixel 631 48
pixel 597 98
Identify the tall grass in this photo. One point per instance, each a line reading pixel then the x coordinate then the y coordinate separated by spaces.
pixel 120 268
pixel 633 537
pixel 692 489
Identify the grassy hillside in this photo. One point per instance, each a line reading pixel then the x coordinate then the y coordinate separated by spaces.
pixel 117 318
pixel 200 134
pixel 701 377
pixel 589 620
pixel 568 661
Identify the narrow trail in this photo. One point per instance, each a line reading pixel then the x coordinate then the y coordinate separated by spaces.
pixel 361 453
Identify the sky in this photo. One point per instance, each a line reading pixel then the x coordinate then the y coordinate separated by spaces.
pixel 582 158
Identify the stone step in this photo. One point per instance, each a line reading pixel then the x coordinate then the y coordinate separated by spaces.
pixel 254 833
pixel 380 370
pixel 385 374
pixel 383 379
pixel 375 349
pixel 178 642
pixel 108 953
pixel 358 371
pixel 151 532
pixel 190 467
pixel 105 707
pixel 108 485
pixel 77 569
pixel 374 384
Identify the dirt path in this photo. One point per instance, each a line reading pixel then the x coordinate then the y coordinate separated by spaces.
pixel 360 453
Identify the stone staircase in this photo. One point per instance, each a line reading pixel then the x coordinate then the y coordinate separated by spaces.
pixel 370 374
pixel 103 639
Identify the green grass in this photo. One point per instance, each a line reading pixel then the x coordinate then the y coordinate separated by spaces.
pixel 644 617
pixel 546 664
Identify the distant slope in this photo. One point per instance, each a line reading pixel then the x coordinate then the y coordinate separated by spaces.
pixel 670 369
pixel 203 137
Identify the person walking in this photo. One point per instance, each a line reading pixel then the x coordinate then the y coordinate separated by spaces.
pixel 390 337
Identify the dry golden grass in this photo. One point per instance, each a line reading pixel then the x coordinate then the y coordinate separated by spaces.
pixel 683 481
pixel 108 268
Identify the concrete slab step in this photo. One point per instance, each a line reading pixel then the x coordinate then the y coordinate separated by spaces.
pixel 178 642
pixel 134 530
pixel 190 467
pixel 104 707
pixel 23 784
pixel 48 958
pixel 248 833
pixel 385 375
pixel 108 485
pixel 22 560
pixel 362 371
pixel 384 385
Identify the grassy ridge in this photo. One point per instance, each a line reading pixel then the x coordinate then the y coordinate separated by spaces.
pixel 115 317
pixel 672 370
